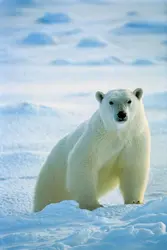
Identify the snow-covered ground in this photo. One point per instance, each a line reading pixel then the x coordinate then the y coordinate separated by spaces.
pixel 54 55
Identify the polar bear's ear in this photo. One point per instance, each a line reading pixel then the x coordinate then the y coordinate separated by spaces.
pixel 99 96
pixel 138 93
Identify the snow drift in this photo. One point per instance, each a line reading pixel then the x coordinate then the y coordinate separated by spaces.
pixel 65 226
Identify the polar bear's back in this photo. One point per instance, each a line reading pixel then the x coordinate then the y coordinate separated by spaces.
pixel 74 136
pixel 64 146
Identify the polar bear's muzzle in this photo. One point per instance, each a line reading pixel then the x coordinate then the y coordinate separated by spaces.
pixel 121 116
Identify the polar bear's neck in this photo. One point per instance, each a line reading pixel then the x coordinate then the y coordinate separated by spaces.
pixel 106 144
pixel 137 124
pixel 98 128
pixel 113 137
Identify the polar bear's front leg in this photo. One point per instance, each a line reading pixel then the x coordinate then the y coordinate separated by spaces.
pixel 81 180
pixel 133 185
pixel 81 183
pixel 134 170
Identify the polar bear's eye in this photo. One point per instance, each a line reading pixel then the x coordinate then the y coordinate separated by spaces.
pixel 129 102
pixel 111 103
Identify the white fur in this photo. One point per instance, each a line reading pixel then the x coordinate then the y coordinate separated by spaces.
pixel 99 155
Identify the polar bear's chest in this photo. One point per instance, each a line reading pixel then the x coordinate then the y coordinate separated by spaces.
pixel 108 149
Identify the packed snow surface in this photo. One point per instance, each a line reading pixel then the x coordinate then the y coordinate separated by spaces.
pixel 54 56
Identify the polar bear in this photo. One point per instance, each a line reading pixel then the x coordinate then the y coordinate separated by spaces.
pixel 112 148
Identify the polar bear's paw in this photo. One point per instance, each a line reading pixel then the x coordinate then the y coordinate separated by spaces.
pixel 90 207
pixel 137 202
pixel 134 202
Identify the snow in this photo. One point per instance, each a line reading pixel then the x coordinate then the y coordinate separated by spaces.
pixel 28 109
pixel 132 13
pixel 64 226
pixel 162 58
pixel 54 56
pixel 161 100
pixel 70 32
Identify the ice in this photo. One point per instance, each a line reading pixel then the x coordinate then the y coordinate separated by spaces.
pixel 62 62
pixel 142 62
pixel 142 27
pixel 109 61
pixel 13 7
pixel 20 2
pixel 17 3
pixel 54 18
pixel 38 38
pixel 91 43
pixel 101 2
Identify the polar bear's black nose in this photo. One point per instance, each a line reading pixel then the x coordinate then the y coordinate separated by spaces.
pixel 121 115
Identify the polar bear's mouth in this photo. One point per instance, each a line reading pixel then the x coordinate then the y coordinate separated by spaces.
pixel 121 120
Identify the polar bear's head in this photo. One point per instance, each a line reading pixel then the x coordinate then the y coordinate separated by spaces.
pixel 119 107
